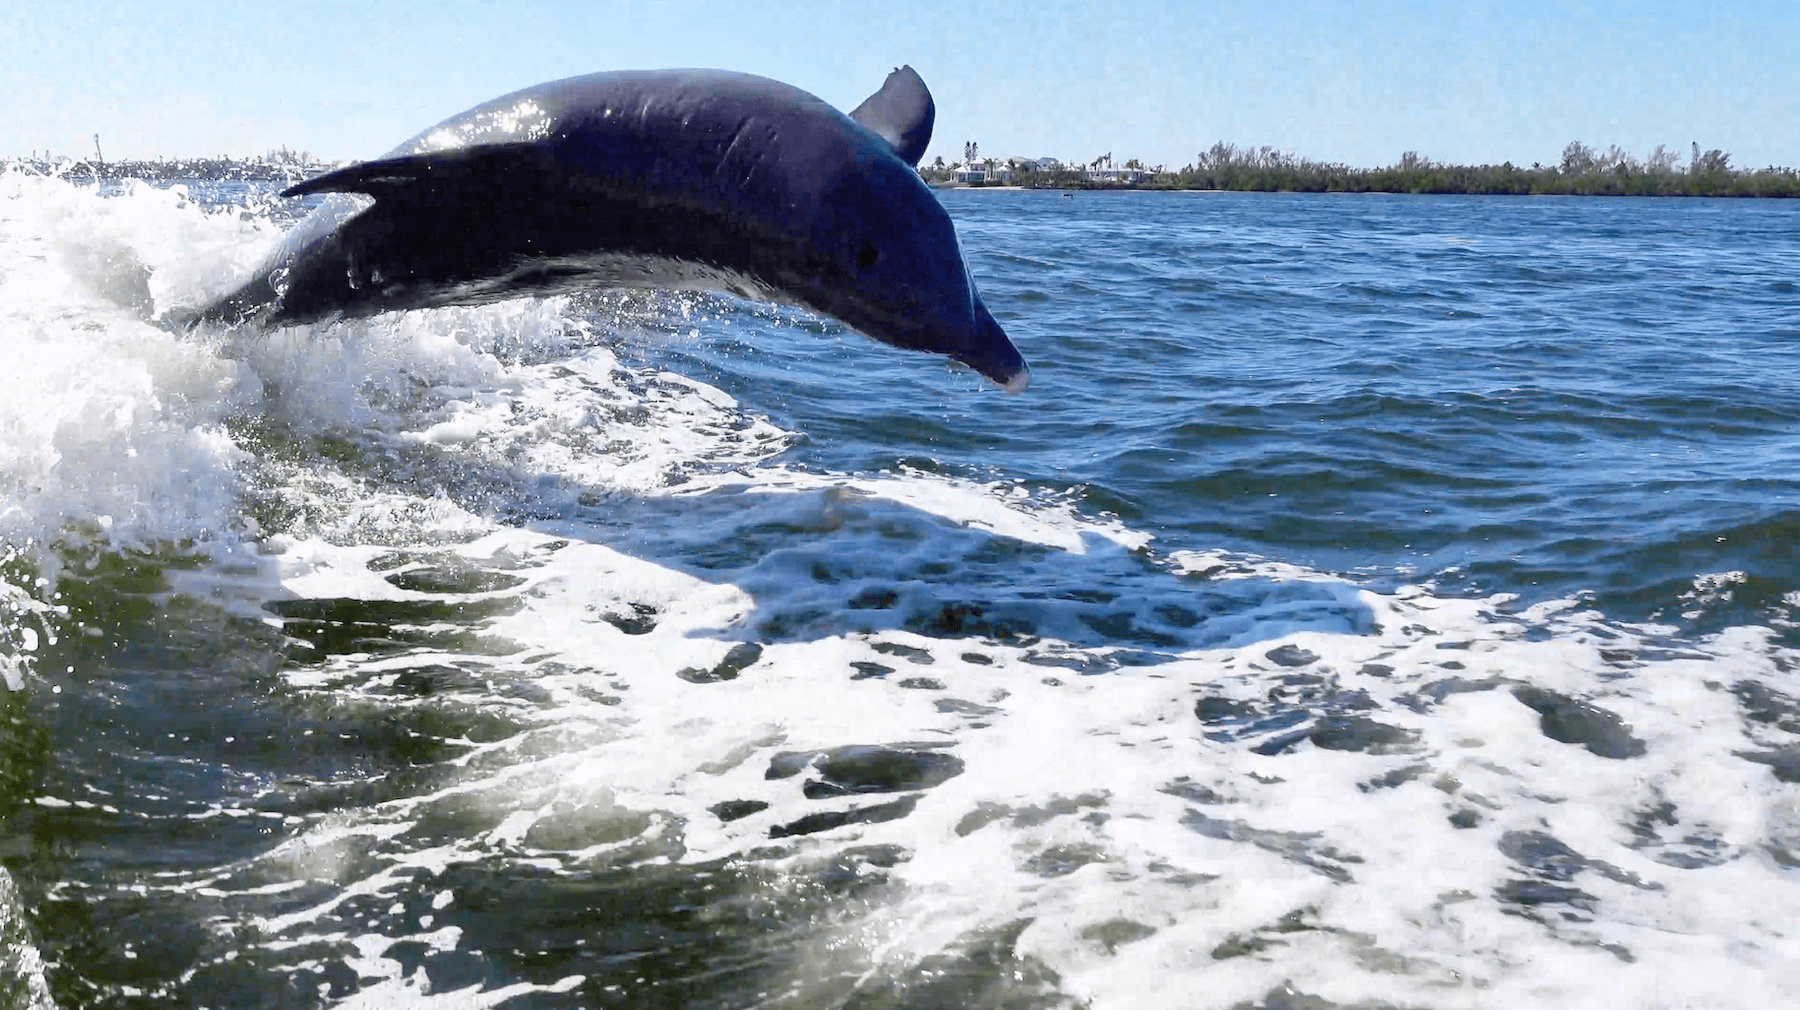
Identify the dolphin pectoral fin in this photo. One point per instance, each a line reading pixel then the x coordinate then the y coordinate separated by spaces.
pixel 902 113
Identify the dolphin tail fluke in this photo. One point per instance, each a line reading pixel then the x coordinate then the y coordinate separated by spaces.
pixel 371 178
pixel 902 113
pixel 409 173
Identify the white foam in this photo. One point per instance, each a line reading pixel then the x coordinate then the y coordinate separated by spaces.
pixel 1301 873
pixel 117 434
pixel 112 430
pixel 21 963
pixel 414 993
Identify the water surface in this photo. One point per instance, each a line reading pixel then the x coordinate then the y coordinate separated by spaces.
pixel 1374 601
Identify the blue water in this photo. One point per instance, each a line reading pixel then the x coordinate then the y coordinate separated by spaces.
pixel 1539 396
pixel 1373 601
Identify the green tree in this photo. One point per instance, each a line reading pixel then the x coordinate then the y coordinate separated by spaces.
pixel 1578 159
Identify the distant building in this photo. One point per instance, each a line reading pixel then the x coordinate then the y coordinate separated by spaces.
pixel 1117 175
pixel 980 172
pixel 989 171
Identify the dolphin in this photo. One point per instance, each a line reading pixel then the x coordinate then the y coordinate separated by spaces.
pixel 691 179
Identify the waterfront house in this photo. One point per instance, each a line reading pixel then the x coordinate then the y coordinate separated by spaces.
pixel 1111 174
pixel 981 172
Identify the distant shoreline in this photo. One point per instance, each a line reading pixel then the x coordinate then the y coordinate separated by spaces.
pixel 1230 171
pixel 1227 168
pixel 1337 192
pixel 1786 187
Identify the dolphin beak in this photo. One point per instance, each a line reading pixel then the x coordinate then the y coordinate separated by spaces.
pixel 1010 373
pixel 1013 376
pixel 995 356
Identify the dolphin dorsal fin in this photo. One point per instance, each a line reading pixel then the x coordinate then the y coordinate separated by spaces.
pixel 902 113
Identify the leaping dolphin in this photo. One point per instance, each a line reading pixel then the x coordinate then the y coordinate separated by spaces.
pixel 664 178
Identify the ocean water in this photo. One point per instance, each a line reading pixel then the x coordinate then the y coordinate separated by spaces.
pixel 1374 602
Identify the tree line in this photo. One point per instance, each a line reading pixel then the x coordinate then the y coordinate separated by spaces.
pixel 1583 171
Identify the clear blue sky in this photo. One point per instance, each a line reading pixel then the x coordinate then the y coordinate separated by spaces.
pixel 1358 82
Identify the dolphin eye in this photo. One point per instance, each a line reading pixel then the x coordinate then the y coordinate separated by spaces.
pixel 867 256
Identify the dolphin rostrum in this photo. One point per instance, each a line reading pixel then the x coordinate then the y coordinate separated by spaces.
pixel 664 178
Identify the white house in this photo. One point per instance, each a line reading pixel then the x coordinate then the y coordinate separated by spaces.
pixel 1110 174
pixel 980 172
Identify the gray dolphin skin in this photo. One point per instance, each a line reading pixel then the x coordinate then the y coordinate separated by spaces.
pixel 694 179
